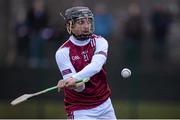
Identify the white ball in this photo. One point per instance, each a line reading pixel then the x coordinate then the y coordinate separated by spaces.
pixel 125 73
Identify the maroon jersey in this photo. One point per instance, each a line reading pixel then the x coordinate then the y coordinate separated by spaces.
pixel 96 89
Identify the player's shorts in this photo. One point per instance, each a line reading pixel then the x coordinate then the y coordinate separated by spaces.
pixel 103 111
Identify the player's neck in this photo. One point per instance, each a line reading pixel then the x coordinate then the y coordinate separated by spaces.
pixel 78 42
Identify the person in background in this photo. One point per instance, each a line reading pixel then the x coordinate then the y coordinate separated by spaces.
pixel 103 21
pixel 22 37
pixel 38 22
pixel 160 20
pixel 133 35
pixel 84 55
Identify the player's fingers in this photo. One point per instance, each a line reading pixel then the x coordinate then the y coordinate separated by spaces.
pixel 66 84
pixel 70 83
pixel 70 86
pixel 60 85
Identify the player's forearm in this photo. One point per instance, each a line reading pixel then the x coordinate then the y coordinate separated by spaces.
pixel 91 69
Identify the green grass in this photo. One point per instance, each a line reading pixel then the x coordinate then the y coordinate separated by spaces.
pixel 124 110
pixel 148 110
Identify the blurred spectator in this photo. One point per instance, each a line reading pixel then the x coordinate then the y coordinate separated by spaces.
pixel 103 21
pixel 133 35
pixel 38 22
pixel 21 33
pixel 160 20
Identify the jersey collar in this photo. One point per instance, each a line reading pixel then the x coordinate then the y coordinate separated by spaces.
pixel 78 42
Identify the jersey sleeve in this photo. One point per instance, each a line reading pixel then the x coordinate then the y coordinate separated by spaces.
pixel 101 47
pixel 63 61
pixel 97 62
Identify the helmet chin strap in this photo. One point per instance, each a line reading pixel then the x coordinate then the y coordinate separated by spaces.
pixel 82 37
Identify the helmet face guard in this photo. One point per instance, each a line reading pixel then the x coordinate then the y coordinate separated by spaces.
pixel 79 22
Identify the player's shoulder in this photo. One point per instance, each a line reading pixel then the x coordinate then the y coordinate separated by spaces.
pixel 64 48
pixel 65 44
pixel 62 53
pixel 99 39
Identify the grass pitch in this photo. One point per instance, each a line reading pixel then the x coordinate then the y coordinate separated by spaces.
pixel 124 110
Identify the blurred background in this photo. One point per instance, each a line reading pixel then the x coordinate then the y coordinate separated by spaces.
pixel 143 36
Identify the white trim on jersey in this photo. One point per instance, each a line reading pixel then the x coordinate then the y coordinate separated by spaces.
pixel 93 43
pixel 101 46
pixel 64 63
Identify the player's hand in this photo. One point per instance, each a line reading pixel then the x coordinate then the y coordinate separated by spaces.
pixel 61 84
pixel 70 83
